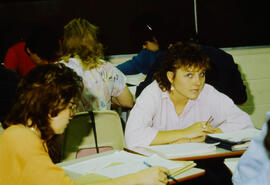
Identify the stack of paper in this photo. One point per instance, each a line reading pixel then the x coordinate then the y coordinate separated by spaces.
pixel 174 151
pixel 122 163
pixel 237 140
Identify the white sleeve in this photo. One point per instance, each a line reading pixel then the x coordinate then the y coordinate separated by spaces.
pixel 254 165
pixel 236 119
pixel 139 130
pixel 227 113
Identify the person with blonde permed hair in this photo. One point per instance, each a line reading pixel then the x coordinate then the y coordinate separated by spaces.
pixel 104 83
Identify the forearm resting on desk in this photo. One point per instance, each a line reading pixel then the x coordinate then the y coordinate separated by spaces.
pixel 194 133
pixel 170 136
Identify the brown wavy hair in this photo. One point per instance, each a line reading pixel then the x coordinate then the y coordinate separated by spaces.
pixel 45 90
pixel 180 55
pixel 80 41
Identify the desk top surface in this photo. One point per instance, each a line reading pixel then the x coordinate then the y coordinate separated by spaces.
pixel 219 152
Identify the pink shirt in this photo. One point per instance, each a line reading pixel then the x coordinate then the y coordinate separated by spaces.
pixel 155 111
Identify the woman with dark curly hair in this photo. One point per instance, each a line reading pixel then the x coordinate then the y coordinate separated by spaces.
pixel 176 106
pixel 44 105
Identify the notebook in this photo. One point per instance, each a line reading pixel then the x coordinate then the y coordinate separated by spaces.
pixel 174 151
pixel 122 163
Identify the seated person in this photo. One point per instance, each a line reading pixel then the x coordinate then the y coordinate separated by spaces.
pixel 103 82
pixel 39 48
pixel 223 74
pixel 147 32
pixel 175 107
pixel 43 108
pixel 254 165
pixel 9 80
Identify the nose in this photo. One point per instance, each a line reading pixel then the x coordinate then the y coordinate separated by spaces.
pixel 72 114
pixel 197 80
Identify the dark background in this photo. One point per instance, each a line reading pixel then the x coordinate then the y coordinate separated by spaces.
pixel 222 23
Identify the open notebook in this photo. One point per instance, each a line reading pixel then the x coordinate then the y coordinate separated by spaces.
pixel 122 163
pixel 174 151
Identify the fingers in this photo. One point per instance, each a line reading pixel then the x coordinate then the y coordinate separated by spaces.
pixel 162 177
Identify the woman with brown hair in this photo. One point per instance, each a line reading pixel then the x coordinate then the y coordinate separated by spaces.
pixel 176 106
pixel 43 108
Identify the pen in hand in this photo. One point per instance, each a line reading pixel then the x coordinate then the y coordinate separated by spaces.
pixel 168 176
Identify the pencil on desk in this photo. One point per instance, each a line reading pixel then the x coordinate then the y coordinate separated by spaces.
pixel 168 176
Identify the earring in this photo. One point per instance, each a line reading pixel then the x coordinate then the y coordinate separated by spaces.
pixel 172 88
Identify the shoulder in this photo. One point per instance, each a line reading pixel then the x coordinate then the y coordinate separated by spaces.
pixel 18 135
pixel 151 91
pixel 210 93
pixel 71 62
pixel 109 68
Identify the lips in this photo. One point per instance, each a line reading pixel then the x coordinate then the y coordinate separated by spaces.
pixel 195 90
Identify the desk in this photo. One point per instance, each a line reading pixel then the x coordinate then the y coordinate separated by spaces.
pixel 187 175
pixel 211 162
pixel 219 153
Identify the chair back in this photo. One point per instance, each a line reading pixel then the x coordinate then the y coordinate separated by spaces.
pixel 79 137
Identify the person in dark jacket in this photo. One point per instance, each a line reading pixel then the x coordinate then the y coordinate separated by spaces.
pixel 146 31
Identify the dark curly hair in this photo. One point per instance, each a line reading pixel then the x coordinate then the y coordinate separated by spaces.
pixel 45 90
pixel 180 55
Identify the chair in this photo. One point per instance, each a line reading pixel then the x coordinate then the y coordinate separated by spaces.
pixel 79 137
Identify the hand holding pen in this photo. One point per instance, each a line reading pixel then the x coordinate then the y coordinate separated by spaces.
pixel 209 129
pixel 168 176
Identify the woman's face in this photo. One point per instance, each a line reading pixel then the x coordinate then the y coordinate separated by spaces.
pixel 187 82
pixel 60 122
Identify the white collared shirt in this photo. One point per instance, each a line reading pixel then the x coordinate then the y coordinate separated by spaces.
pixel 154 111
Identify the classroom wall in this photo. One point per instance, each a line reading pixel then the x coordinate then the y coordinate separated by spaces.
pixel 254 65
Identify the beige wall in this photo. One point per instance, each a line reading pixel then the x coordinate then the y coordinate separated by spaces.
pixel 254 64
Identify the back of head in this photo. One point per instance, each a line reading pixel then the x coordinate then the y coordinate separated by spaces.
pixel 44 42
pixel 181 55
pixel 45 90
pixel 147 27
pixel 80 40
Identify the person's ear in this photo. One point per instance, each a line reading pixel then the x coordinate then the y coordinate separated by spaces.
pixel 170 76
pixel 28 51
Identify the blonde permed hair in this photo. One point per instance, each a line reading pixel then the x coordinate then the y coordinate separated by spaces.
pixel 80 41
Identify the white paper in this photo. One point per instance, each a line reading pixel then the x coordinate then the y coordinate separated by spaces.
pixel 135 79
pixel 173 151
pixel 242 135
pixel 126 163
